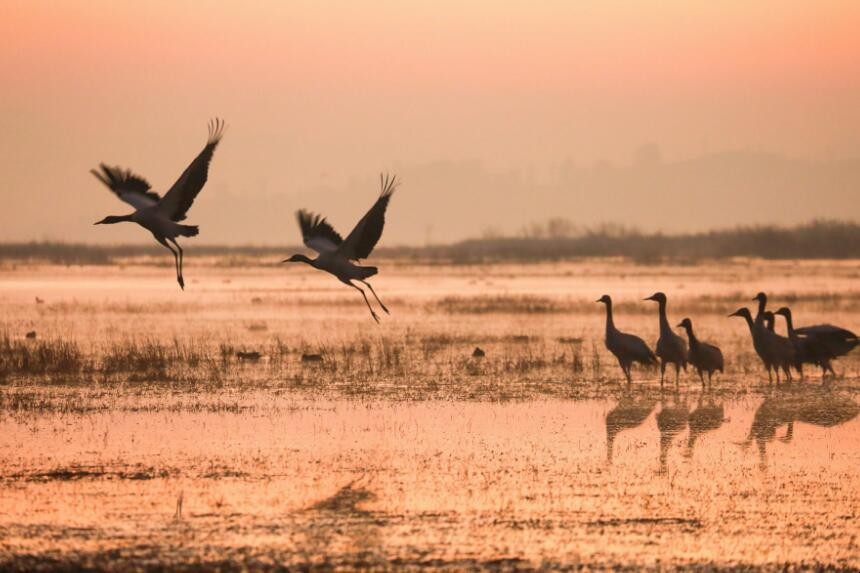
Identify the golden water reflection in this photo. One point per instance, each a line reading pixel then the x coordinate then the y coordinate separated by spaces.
pixel 672 478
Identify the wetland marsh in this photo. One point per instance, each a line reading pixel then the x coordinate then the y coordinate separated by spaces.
pixel 143 427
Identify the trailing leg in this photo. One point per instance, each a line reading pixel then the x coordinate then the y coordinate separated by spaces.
pixel 175 260
pixel 180 278
pixel 367 302
pixel 373 292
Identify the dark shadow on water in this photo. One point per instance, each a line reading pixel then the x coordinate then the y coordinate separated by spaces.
pixel 815 405
pixel 342 529
pixel 709 415
pixel 630 412
pixel 671 421
pixel 346 500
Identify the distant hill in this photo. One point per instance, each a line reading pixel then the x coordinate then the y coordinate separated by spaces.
pixel 443 202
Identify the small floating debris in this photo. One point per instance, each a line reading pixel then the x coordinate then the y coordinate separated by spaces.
pixel 251 356
pixel 478 352
pixel 31 334
pixel 312 358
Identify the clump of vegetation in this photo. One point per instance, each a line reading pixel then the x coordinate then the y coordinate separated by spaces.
pixel 39 357
pixel 150 358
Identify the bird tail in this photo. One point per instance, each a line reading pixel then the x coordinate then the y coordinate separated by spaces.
pixel 189 230
pixel 367 272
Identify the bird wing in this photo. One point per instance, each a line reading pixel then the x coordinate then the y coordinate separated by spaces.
pixel 179 198
pixel 637 348
pixel 827 341
pixel 317 233
pixel 714 353
pixel 360 242
pixel 825 330
pixel 131 188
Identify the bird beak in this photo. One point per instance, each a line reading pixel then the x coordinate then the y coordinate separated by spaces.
pixel 97 223
pixel 285 261
pixel 679 325
pixel 649 298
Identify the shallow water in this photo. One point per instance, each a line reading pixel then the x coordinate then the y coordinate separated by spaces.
pixel 642 481
pixel 399 449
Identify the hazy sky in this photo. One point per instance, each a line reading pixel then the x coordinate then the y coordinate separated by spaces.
pixel 324 95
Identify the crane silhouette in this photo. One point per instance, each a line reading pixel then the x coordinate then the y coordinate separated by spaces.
pixel 781 349
pixel 337 256
pixel 161 216
pixel 818 344
pixel 703 356
pixel 627 348
pixel 671 348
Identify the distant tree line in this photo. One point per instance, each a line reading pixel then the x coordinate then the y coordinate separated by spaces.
pixel 559 239
pixel 556 239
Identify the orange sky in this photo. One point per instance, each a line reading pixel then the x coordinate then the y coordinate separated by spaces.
pixel 325 96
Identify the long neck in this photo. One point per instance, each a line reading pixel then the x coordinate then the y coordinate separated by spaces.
pixel 664 322
pixel 750 322
pixel 789 324
pixel 118 219
pixel 762 303
pixel 610 324
pixel 305 259
pixel 693 340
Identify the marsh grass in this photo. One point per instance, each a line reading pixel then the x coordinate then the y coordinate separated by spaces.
pixel 547 343
pixel 696 305
pixel 74 307
pixel 494 304
pixel 425 364
pixel 39 357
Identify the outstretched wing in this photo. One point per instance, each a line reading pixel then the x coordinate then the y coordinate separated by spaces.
pixel 129 187
pixel 317 233
pixel 179 198
pixel 363 238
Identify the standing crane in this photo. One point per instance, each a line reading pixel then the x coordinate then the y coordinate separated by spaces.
pixel 818 344
pixel 703 356
pixel 161 216
pixel 337 256
pixel 627 348
pixel 780 348
pixel 774 350
pixel 671 348
pixel 758 336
